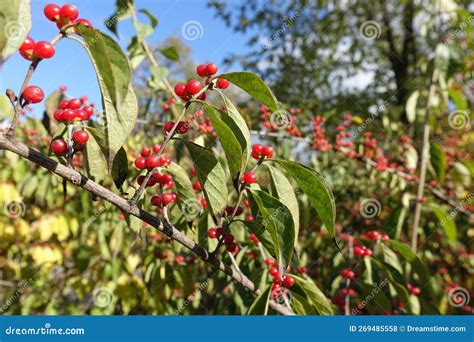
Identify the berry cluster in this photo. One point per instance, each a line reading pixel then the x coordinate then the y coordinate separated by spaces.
pixel 413 290
pixel 64 15
pixel 227 238
pixel 149 160
pixel 187 90
pixel 74 110
pixel 374 235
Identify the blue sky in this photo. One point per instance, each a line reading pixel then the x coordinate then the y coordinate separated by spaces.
pixel 71 66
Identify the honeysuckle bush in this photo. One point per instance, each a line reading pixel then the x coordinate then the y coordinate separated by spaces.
pixel 257 184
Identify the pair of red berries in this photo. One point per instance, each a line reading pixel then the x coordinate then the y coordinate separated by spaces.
pixel 362 251
pixel 413 290
pixel 74 109
pixel 60 147
pixel 254 238
pixel 187 90
pixel 151 162
pixel 206 70
pixel 259 151
pixel 32 94
pixel 164 199
pixel 30 50
pixel 181 128
pixel 348 274
pixel 249 178
pixel 64 15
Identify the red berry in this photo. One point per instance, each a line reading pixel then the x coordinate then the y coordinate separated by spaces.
pixel 193 87
pixel 211 69
pixel 150 182
pixel 169 126
pixel 74 104
pixel 80 137
pixel 257 148
pixel 222 83
pixel 219 231
pixel 182 127
pixel 166 178
pixel 212 233
pixel 180 89
pixel 249 218
pixel 156 148
pixel 89 111
pixel 152 161
pixel 27 49
pixel 69 11
pixel 69 114
pixel 156 201
pixel 44 49
pixel 59 115
pixel 197 186
pixel 81 115
pixel 228 239
pixel 63 104
pixel 231 247
pixel 288 281
pixel 140 163
pixel 201 70
pixel 84 22
pixel 267 151
pixel 33 94
pixel 59 147
pixel 249 178
pixel 145 151
pixel 269 262
pixel 167 198
pixel 51 11
pixel 273 271
pixel 202 97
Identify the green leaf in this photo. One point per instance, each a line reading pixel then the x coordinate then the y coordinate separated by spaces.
pixel 447 223
pixel 260 304
pixel 395 221
pixel 111 65
pixel 183 184
pixel 254 86
pixel 211 175
pixel 158 77
pixel 170 53
pixel 238 126
pixel 15 21
pixel 314 186
pixel 262 234
pixel 233 150
pixel 438 161
pixel 307 289
pixel 394 277
pixel 410 106
pixel 153 20
pixel 461 174
pixel 96 163
pixel 277 219
pixel 283 190
pixel 120 168
pixel 118 99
